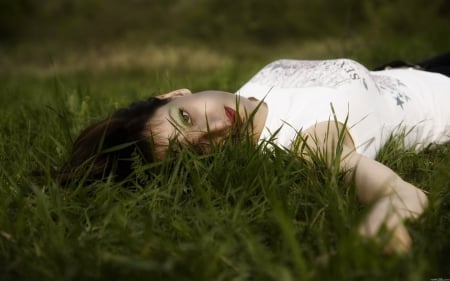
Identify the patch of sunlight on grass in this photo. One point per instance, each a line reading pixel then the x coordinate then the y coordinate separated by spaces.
pixel 50 59
pixel 118 57
pixel 323 49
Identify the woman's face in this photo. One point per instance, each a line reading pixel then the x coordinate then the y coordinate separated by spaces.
pixel 206 117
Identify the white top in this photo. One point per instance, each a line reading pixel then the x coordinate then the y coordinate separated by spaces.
pixel 374 105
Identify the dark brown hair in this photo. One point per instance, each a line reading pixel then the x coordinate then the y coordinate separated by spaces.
pixel 109 147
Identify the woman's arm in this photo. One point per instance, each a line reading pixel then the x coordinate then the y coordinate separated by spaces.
pixel 393 199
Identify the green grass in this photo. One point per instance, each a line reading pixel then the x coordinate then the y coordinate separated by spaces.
pixel 238 214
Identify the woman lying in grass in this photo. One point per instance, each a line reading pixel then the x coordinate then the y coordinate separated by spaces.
pixel 334 109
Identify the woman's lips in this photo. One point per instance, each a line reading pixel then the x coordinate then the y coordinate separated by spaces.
pixel 231 114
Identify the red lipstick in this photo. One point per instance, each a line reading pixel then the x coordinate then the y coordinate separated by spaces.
pixel 230 113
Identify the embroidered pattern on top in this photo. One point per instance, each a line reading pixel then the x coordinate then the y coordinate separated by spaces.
pixel 393 87
pixel 303 74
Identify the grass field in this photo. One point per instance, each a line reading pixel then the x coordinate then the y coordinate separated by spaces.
pixel 238 214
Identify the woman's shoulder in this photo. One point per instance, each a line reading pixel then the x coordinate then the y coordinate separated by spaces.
pixel 290 62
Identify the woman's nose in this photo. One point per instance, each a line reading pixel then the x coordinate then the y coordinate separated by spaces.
pixel 215 125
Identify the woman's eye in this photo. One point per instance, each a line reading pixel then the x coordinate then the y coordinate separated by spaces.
pixel 185 117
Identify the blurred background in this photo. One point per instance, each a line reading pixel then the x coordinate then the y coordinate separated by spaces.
pixel 65 36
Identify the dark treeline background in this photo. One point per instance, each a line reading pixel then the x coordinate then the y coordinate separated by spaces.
pixel 399 24
pixel 254 20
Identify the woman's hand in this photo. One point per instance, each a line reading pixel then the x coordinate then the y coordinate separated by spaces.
pixel 393 199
